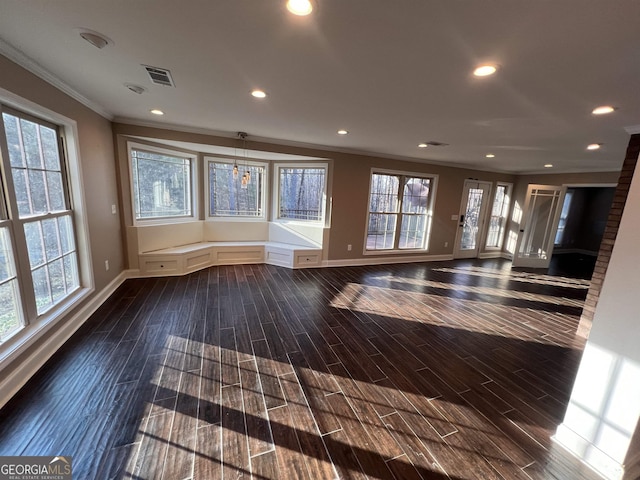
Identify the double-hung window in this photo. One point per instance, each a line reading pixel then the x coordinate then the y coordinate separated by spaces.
pixel 236 190
pixel 400 209
pixel 162 182
pixel 499 212
pixel 36 223
pixel 11 315
pixel 301 192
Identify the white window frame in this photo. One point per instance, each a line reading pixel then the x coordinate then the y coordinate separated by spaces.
pixel 240 163
pixel 276 191
pixel 36 326
pixel 433 187
pixel 194 185
pixel 505 216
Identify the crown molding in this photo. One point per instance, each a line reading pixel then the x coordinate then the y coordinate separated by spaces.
pixel 38 70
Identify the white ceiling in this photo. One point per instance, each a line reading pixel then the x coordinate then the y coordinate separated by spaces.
pixel 393 73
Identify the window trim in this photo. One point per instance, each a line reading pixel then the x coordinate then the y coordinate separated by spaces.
pixel 276 192
pixel 509 195
pixel 137 222
pixel 207 190
pixel 35 327
pixel 431 208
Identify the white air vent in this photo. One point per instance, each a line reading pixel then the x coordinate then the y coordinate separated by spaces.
pixel 159 76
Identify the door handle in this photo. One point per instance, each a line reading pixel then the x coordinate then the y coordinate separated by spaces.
pixel 462 220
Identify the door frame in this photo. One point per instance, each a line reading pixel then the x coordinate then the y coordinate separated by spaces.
pixel 482 221
pixel 538 262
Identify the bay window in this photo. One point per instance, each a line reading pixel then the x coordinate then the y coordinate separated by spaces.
pixel 301 192
pixel 236 190
pixel 162 183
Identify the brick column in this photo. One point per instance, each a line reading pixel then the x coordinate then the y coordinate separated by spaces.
pixel 610 233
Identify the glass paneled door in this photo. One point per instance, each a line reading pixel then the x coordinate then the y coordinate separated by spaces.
pixel 538 228
pixel 473 212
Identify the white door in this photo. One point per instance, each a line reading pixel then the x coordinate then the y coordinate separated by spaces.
pixel 473 212
pixel 539 224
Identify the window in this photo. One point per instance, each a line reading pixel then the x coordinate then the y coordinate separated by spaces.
pixel 42 224
pixel 562 223
pixel 301 192
pixel 162 183
pixel 499 213
pixel 10 313
pixel 399 211
pixel 236 194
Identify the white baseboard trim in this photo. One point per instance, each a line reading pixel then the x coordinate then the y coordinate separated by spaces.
pixel 581 251
pixel 505 255
pixel 357 262
pixel 23 369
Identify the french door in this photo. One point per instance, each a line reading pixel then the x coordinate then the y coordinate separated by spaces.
pixel 539 224
pixel 473 212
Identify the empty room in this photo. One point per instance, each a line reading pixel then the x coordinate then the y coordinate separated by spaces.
pixel 319 239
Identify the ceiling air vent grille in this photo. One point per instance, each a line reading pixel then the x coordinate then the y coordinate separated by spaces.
pixel 160 76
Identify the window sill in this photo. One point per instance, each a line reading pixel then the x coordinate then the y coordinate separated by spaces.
pixel 236 219
pixel 396 251
pixel 163 221
pixel 26 337
pixel 296 221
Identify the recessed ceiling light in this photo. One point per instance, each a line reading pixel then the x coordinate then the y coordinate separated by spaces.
pixel 489 155
pixel 548 165
pixel 300 7
pixel 342 132
pixel 258 93
pixel 422 145
pixel 603 110
pixel 157 111
pixel 96 39
pixel 485 70
pixel 594 146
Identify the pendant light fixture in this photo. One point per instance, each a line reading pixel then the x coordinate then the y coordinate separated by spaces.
pixel 246 176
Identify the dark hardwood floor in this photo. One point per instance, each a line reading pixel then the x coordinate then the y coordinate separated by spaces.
pixel 457 370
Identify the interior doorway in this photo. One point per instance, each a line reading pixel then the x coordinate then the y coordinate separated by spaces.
pixel 565 223
pixel 583 219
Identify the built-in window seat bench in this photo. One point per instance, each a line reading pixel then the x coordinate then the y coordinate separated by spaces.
pixel 181 254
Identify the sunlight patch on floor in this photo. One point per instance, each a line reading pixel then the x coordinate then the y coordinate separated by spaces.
pixel 497 292
pixel 471 315
pixel 525 277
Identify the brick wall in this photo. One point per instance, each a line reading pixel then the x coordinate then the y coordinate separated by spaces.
pixel 610 233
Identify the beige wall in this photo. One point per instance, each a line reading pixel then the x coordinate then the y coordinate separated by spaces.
pixel 349 188
pixel 96 155
pixel 97 162
pixel 350 197
pixel 350 175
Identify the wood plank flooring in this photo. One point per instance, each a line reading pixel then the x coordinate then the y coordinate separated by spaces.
pixel 457 370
